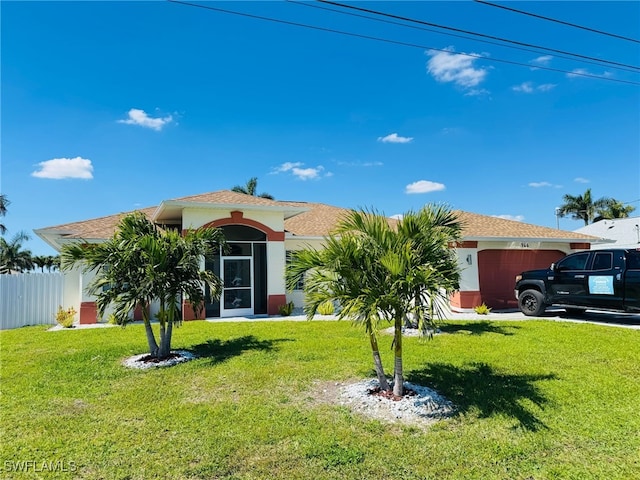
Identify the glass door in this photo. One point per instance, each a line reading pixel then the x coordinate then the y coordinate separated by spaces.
pixel 237 291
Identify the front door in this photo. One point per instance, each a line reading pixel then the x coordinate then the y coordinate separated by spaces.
pixel 237 291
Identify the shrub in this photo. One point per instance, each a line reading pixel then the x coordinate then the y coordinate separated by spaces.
pixel 482 309
pixel 65 317
pixel 326 308
pixel 286 309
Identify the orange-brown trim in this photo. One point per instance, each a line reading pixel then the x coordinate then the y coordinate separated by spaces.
pixel 463 244
pixel 580 246
pixel 88 313
pixel 237 218
pixel 188 312
pixel 468 299
pixel 275 301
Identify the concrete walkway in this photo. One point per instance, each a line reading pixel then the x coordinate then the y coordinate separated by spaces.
pixel 610 319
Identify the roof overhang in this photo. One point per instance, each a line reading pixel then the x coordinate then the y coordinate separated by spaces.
pixel 171 210
pixel 593 240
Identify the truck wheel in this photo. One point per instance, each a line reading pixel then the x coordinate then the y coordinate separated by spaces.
pixel 531 303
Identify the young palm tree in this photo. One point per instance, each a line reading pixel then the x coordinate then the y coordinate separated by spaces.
pixel 13 257
pixel 582 207
pixel 380 273
pixel 4 203
pixel 250 189
pixel 142 264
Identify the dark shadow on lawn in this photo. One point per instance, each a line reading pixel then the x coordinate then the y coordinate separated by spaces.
pixel 480 327
pixel 479 386
pixel 218 351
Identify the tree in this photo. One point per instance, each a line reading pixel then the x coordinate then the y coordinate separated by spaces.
pixel 250 189
pixel 143 263
pixel 4 203
pixel 13 258
pixel 380 273
pixel 582 207
pixel 40 261
pixel 613 209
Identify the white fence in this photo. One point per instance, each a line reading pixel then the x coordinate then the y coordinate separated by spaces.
pixel 30 299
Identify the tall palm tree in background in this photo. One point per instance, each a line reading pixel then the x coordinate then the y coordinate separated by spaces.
pixel 142 264
pixel 13 257
pixel 380 272
pixel 4 203
pixel 613 209
pixel 582 207
pixel 250 189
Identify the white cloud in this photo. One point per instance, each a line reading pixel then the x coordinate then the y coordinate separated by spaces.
pixel 423 186
pixel 140 118
pixel 448 66
pixel 301 173
pixel 525 87
pixel 516 218
pixel 285 167
pixel 529 87
pixel 577 72
pixel 476 92
pixel 59 168
pixel 397 216
pixel 543 185
pixel 543 60
pixel 394 138
pixel 581 180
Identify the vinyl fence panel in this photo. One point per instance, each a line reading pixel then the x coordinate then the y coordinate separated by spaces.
pixel 30 299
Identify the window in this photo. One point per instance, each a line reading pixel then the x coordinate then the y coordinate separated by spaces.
pixel 633 260
pixel 573 262
pixel 300 284
pixel 603 261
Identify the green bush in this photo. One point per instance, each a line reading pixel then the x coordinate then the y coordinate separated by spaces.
pixel 65 317
pixel 482 309
pixel 286 309
pixel 326 308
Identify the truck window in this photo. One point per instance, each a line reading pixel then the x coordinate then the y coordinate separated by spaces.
pixel 633 261
pixel 603 261
pixel 573 262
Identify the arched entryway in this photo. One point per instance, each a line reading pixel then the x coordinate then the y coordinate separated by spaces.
pixel 243 271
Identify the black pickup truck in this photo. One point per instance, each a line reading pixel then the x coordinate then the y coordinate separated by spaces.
pixel 596 280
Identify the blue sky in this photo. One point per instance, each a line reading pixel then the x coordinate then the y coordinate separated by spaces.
pixel 112 106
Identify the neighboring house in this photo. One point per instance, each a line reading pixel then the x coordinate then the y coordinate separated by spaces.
pixel 261 232
pixel 622 232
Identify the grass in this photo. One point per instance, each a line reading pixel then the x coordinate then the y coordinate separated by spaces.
pixel 536 400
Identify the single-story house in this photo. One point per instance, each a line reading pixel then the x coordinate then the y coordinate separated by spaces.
pixel 621 232
pixel 261 232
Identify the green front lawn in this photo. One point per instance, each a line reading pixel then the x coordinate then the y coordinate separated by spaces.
pixel 536 400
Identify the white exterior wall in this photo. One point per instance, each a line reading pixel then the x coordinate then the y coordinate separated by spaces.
pixel 197 217
pixel 291 244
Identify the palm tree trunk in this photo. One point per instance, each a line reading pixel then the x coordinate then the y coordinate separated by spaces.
pixel 398 379
pixel 377 362
pixel 151 338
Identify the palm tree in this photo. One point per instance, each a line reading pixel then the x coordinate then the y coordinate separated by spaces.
pixel 4 203
pixel 613 209
pixel 379 273
pixel 582 207
pixel 40 261
pixel 13 258
pixel 250 189
pixel 141 264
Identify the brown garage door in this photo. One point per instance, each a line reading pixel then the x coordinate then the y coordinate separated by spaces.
pixel 497 270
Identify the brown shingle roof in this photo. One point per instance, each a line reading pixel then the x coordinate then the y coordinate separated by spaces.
pixel 319 221
pixel 484 226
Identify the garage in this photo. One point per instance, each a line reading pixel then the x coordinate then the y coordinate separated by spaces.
pixel 497 270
